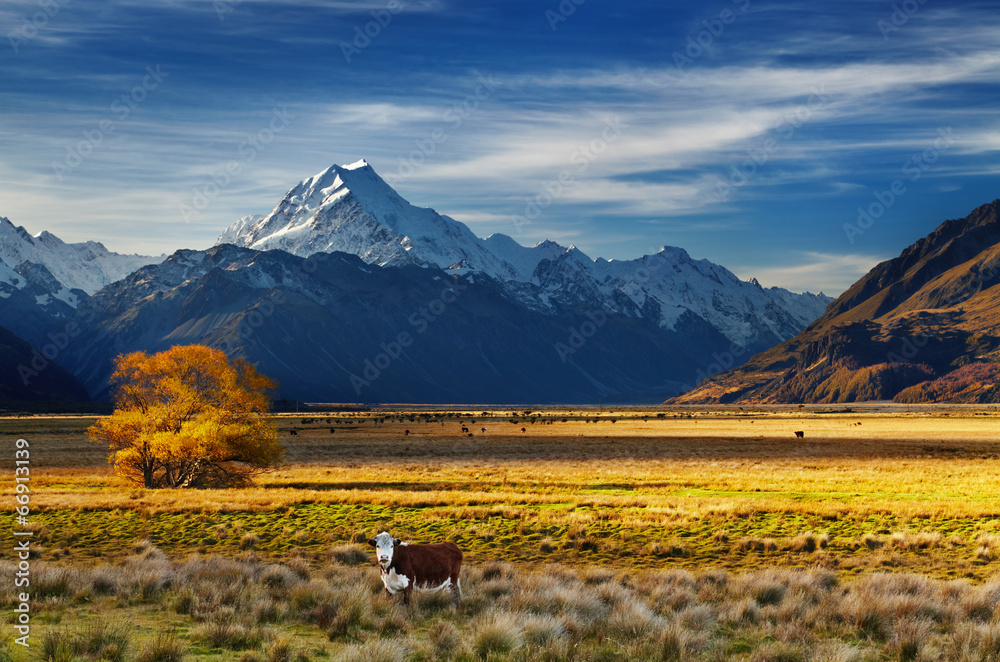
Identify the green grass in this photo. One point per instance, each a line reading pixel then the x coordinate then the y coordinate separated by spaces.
pixel 578 535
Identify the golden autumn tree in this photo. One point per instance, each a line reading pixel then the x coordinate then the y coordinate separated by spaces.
pixel 188 417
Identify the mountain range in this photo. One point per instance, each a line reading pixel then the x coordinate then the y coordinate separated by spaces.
pixel 345 291
pixel 353 210
pixel 922 327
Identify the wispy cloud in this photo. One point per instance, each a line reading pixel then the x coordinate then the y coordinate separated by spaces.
pixel 813 271
pixel 681 132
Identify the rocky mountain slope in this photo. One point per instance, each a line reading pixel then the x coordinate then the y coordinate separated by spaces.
pixel 922 327
pixel 43 279
pixel 26 374
pixel 333 328
pixel 353 210
pixel 316 291
pixel 86 266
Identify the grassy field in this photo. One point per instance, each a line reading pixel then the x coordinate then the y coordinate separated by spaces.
pixel 712 503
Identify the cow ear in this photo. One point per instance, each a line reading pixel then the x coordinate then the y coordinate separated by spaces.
pixel 396 542
pixel 372 542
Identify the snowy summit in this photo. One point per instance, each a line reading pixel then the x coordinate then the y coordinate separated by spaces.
pixel 350 208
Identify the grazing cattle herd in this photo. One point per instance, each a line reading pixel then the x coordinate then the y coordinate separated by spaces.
pixel 406 567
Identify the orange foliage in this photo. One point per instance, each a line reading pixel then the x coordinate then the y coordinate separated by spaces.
pixel 187 417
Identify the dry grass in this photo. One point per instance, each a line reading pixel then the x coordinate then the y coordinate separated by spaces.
pixel 246 609
pixel 727 488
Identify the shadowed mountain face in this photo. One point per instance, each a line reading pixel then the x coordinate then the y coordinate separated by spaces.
pixel 351 209
pixel 544 323
pixel 923 327
pixel 333 328
pixel 27 374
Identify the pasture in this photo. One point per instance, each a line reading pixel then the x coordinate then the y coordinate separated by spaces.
pixel 677 533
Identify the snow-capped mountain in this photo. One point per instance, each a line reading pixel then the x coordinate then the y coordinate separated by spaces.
pixel 353 210
pixel 86 266
pixel 335 329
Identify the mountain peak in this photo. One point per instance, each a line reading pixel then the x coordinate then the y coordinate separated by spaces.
pixel 87 266
pixel 357 165
pixel 349 208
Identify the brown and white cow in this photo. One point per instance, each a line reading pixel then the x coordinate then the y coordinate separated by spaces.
pixel 424 567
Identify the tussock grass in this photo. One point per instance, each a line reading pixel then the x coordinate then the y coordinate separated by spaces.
pixel 251 607
pixel 101 640
pixel 702 537
pixel 165 647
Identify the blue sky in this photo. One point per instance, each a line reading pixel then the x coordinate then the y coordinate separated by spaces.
pixel 747 132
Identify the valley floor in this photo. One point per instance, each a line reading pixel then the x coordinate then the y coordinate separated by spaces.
pixel 590 535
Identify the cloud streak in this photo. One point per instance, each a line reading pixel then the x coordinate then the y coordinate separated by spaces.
pixel 657 183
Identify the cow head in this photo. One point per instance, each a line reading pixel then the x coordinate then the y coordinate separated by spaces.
pixel 383 544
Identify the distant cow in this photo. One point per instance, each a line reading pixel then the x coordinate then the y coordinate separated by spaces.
pixel 293 432
pixel 465 429
pixel 406 432
pixel 484 430
pixel 799 434
pixel 524 429
pixel 424 567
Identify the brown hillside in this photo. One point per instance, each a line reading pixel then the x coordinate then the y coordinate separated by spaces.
pixel 913 319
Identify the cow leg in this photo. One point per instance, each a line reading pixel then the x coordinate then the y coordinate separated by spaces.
pixel 456 590
pixel 407 592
